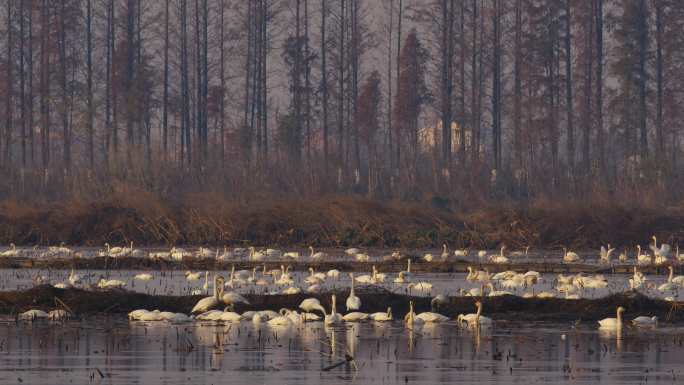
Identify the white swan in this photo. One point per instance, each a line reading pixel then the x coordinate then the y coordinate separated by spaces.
pixel 428 316
pixel 428 257
pixel 232 298
pixel 316 256
pixel 645 321
pixel 333 273
pixel 291 291
pixel 420 286
pixel 256 255
pixel 410 318
pixel 445 252
pixel 353 302
pixel 669 285
pixel 352 251
pixel 613 323
pixel 605 253
pixel 355 316
pixel 58 315
pixel 333 318
pixel 110 283
pixel 209 303
pixel 32 315
pixel 311 304
pixel 12 252
pixel 400 278
pixel 499 258
pixel 143 277
pixel 475 319
pixel 362 257
pixel 642 259
pixel 190 276
pixel 382 316
pixel 570 256
pixel 74 278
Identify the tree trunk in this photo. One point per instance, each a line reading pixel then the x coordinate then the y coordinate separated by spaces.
pixel 90 140
pixel 568 90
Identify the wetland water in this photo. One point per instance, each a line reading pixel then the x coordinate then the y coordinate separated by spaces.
pixel 109 349
pixel 116 351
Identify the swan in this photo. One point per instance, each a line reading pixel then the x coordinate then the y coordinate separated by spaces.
pixel 410 318
pixel 642 259
pixel 400 278
pixel 143 277
pixel 669 285
pixel 570 256
pixel 209 303
pixel 623 257
pixel 58 315
pixel 479 275
pixel 613 323
pixel 292 254
pixel 311 304
pixel 428 316
pixel 662 251
pixel 482 254
pixel 274 253
pixel 190 276
pixel 476 319
pixel 313 279
pixel 110 283
pixel 428 257
pixel 461 253
pixel 508 274
pixel 333 273
pixel 445 252
pixel 496 293
pixel 232 298
pixel 32 315
pixel 382 316
pixel 255 255
pixel 362 257
pixel 521 253
pixel 211 315
pixel 366 278
pixel 645 321
pixel 12 252
pixel 353 302
pixel 204 253
pixel 316 256
pixel 279 321
pixel 74 278
pixel 378 277
pixel 605 254
pixel 679 280
pixel 546 295
pixel 499 258
pixel 230 316
pixel 291 291
pixel 352 251
pixel 420 286
pixel 136 314
pixel 355 317
pixel 333 318
pixel 680 257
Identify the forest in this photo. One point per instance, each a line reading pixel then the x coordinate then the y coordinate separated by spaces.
pixel 459 103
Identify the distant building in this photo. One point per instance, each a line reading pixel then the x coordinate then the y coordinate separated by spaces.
pixel 431 136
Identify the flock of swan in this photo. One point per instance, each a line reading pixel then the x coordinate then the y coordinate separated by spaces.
pixel 660 254
pixel 229 292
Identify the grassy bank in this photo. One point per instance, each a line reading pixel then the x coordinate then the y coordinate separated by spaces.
pixel 211 220
pixel 82 302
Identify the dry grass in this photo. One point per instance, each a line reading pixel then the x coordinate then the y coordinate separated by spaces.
pixel 211 219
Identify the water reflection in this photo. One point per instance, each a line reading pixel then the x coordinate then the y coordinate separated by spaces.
pixel 113 351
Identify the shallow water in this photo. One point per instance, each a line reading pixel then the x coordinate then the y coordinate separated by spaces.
pixel 140 353
pixel 174 282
